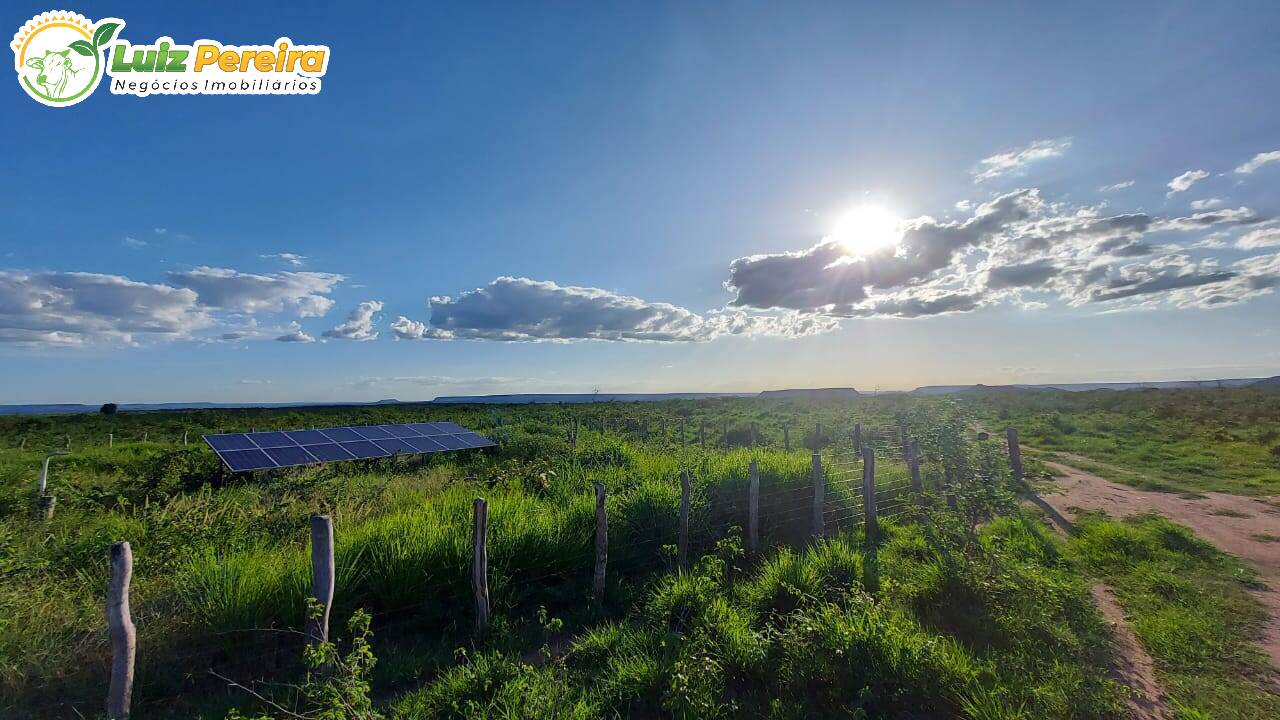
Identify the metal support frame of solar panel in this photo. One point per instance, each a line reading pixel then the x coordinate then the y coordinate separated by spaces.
pixel 245 452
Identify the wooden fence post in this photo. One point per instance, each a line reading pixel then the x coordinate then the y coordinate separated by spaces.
pixel 111 440
pixel 322 577
pixel 682 550
pixel 913 464
pixel 662 427
pixel 1015 455
pixel 786 437
pixel 645 428
pixel 753 435
pixel 869 492
pixel 702 434
pixel 819 496
pixel 68 442
pixel 184 438
pixel 682 424
pixel 753 508
pixel 602 541
pixel 144 437
pixel 857 438
pixel 726 433
pixel 480 562
pixel 122 632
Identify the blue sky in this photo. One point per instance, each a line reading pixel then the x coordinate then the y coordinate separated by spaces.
pixel 662 187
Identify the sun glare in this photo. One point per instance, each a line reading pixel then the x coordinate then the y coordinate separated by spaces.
pixel 866 229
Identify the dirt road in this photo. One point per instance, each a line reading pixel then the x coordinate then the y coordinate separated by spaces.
pixel 1241 526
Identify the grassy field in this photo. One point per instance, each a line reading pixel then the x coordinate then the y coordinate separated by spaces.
pixel 971 612
pixel 1227 440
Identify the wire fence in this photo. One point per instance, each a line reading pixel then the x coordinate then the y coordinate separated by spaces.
pixel 267 656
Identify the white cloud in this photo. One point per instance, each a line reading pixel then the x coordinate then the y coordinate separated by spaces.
pixel 1183 182
pixel 359 324
pixel 73 308
pixel 406 329
pixel 1015 160
pixel 1260 238
pixel 1262 158
pixel 291 259
pixel 295 334
pixel 523 310
pixel 132 242
pixel 303 293
pixel 1206 203
pixel 1116 186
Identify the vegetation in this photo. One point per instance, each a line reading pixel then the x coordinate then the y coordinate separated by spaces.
pixel 971 611
pixel 1226 439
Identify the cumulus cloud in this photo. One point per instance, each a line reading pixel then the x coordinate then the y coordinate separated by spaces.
pixel 73 308
pixel 1262 158
pixel 132 242
pixel 406 329
pixel 288 258
pixel 1206 203
pixel 359 324
pixel 1260 238
pixel 1019 249
pixel 302 293
pixel 295 334
pixel 523 310
pixel 826 278
pixel 1015 160
pixel 1116 186
pixel 1183 182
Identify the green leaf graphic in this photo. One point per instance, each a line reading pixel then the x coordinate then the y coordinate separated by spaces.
pixel 104 33
pixel 82 47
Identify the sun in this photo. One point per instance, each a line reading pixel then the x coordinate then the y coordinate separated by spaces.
pixel 867 228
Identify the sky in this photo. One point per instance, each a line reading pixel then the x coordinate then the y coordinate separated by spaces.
pixel 649 197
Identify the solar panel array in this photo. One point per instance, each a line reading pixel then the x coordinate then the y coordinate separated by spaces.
pixel 242 452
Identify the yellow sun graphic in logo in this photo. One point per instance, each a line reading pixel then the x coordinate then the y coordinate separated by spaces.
pixel 60 55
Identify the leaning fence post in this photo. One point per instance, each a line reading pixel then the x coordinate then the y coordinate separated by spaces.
pixel 753 508
pixel 121 630
pixel 480 562
pixel 869 492
pixel 913 464
pixel 682 550
pixel 602 541
pixel 322 577
pixel 819 496
pixel 1015 455
pixel 184 437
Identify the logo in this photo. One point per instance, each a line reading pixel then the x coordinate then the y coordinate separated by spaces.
pixel 60 56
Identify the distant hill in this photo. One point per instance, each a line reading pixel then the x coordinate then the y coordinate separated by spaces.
pixel 1268 382
pixel 526 398
pixel 811 393
pixel 1084 387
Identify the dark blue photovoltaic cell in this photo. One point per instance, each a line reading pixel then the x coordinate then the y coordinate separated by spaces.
pixel 472 439
pixel 271 439
pixel 395 445
pixel 234 441
pixel 364 449
pixel 242 452
pixel 450 442
pixel 329 452
pixel 307 437
pixel 372 432
pixel 400 431
pixel 342 434
pixel 292 455
pixel 425 444
pixel 242 460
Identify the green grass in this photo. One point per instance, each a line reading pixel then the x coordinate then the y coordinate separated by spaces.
pixel 1190 609
pixel 999 618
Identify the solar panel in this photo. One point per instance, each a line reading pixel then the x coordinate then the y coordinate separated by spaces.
pixel 243 452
